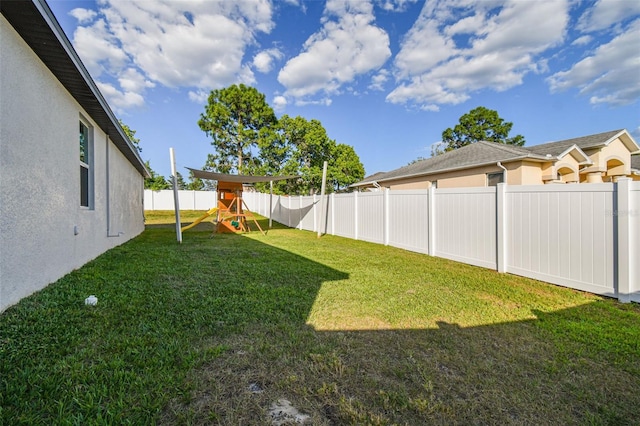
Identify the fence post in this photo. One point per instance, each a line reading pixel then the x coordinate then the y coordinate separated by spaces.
pixel 622 218
pixel 385 217
pixel 501 230
pixel 333 213
pixel 431 221
pixel 315 214
pixel 300 212
pixel 355 211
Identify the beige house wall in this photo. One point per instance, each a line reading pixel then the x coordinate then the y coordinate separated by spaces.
pixel 524 173
pixel 609 162
pixel 616 152
pixel 567 162
pixel 474 177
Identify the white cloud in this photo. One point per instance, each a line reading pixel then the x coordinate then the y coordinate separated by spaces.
pixel 395 5
pixel 133 81
pixel 198 96
pixel 322 102
pixel 120 100
pixel 263 61
pixel 378 80
pixel 279 103
pixel 83 16
pixel 430 107
pixel 581 41
pixel 99 49
pixel 610 74
pixel 176 44
pixel 347 45
pixel 458 47
pixel 606 13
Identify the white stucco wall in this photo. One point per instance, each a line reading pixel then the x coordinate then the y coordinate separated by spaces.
pixel 40 179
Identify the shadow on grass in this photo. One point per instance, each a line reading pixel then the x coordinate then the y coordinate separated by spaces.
pixel 214 330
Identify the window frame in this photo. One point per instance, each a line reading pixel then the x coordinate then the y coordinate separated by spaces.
pixel 495 174
pixel 86 165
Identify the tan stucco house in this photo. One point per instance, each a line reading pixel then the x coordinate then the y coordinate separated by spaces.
pixel 635 167
pixel 595 158
pixel 71 182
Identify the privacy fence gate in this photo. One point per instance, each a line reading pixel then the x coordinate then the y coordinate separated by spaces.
pixel 582 236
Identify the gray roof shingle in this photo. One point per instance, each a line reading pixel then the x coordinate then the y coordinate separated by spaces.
pixel 475 154
pixel 584 142
pixel 482 153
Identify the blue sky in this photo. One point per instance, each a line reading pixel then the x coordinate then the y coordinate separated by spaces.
pixel 385 76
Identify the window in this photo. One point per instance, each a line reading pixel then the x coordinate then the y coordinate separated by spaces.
pixel 493 179
pixel 85 166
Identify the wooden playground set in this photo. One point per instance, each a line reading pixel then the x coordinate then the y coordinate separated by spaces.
pixel 231 214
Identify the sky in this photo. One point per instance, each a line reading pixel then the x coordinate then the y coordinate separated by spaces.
pixel 384 76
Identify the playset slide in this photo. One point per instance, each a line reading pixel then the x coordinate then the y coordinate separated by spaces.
pixel 209 212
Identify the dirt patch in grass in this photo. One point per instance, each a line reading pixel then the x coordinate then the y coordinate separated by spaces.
pixel 499 374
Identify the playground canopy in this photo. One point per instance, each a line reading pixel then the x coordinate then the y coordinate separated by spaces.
pixel 230 215
pixel 223 177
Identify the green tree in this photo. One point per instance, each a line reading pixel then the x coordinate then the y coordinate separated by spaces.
pixel 131 134
pixel 195 184
pixel 180 181
pixel 234 117
pixel 297 146
pixel 480 124
pixel 419 159
pixel 156 182
pixel 345 168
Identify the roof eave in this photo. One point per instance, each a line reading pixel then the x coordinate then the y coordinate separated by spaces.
pixel 69 70
pixel 537 158
pixel 626 139
pixel 585 158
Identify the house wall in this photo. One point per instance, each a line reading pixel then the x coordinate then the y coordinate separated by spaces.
pixel 615 150
pixel 564 163
pixel 40 179
pixel 518 173
pixel 474 177
pixel 524 173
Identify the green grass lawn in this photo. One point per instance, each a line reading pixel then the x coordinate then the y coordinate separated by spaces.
pixel 215 330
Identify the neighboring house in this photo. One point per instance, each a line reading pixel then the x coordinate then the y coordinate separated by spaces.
pixel 635 167
pixel 595 158
pixel 71 182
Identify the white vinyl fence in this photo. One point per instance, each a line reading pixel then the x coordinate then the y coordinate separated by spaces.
pixel 582 236
pixel 188 200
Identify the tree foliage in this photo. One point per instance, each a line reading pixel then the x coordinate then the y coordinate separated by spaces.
pixel 296 146
pixel 131 134
pixel 156 182
pixel 234 118
pixel 480 124
pixel 195 184
pixel 249 139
